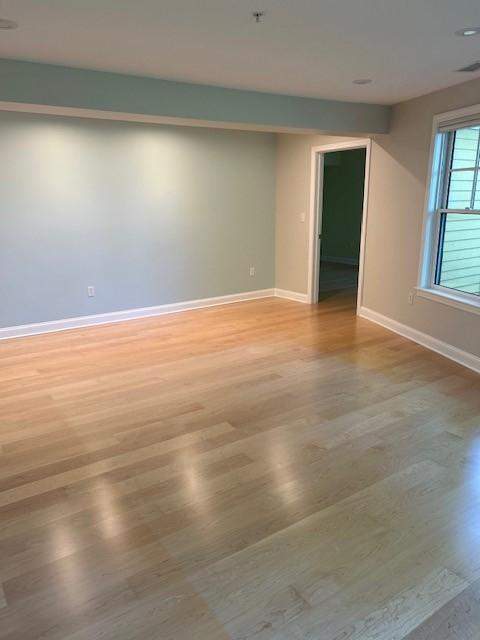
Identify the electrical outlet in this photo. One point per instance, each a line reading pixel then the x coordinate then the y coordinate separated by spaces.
pixel 91 291
pixel 252 271
pixel 302 216
pixel 411 296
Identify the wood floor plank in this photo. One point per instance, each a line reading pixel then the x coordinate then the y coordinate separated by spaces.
pixel 458 619
pixel 266 470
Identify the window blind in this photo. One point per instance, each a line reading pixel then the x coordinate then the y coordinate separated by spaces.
pixel 460 123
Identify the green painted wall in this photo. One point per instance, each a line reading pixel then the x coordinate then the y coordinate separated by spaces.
pixel 52 85
pixel 147 214
pixel 343 204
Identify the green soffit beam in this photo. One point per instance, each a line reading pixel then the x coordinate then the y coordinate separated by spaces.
pixel 58 86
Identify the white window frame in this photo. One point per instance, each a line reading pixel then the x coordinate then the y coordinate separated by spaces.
pixel 426 287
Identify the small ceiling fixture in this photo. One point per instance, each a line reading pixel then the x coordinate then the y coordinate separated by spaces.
pixel 470 68
pixel 362 81
pixel 468 31
pixel 258 15
pixel 7 24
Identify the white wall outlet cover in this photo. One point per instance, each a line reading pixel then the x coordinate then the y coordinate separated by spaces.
pixel 252 271
pixel 91 291
pixel 302 216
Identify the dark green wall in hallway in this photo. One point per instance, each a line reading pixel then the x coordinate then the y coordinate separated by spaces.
pixel 343 204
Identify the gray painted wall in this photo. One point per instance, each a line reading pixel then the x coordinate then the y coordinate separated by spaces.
pixel 44 84
pixel 147 214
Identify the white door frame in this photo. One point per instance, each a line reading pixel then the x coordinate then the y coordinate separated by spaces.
pixel 315 218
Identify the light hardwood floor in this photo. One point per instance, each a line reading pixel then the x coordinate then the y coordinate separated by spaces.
pixel 264 470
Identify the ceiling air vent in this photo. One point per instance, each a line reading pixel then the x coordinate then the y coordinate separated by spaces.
pixel 475 66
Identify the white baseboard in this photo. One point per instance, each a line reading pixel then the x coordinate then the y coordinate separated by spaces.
pixel 291 295
pixel 129 314
pixel 443 348
pixel 352 261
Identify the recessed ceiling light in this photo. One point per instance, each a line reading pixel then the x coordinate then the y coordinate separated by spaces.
pixel 362 81
pixel 7 24
pixel 468 31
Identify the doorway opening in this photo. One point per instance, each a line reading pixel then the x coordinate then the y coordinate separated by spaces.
pixel 338 217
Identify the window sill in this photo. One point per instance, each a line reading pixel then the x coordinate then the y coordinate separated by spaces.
pixel 451 300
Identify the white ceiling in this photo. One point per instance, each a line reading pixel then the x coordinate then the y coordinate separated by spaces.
pixel 303 47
